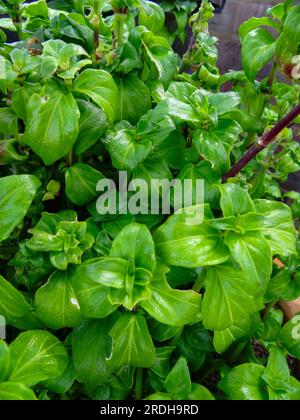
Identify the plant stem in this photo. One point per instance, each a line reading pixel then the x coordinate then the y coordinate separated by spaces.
pixel 237 352
pixel 95 22
pixel 70 158
pixel 262 143
pixel 17 21
pixel 139 384
pixel 120 16
pixel 267 309
pixel 272 75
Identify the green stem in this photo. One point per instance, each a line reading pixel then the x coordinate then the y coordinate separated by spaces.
pixel 70 158
pixel 139 384
pixel 119 27
pixel 272 75
pixel 17 21
pixel 268 309
pixel 237 352
pixel 199 282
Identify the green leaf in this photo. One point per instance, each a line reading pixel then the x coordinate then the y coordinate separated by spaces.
pixel 36 356
pixel 92 124
pixel 109 272
pixel 93 297
pixel 140 249
pixel 254 23
pixel 235 200
pixel 91 348
pixel 4 360
pixel 63 383
pixel 132 343
pixel 288 43
pixel 169 306
pixel 225 338
pixel 227 299
pixel 183 243
pixel 8 122
pixel 284 286
pixel 277 373
pixel 12 391
pixel 152 16
pixel 194 343
pixel 258 49
pixel 12 303
pixel 254 255
pixel 99 86
pixel 126 151
pixel 178 382
pixel 161 365
pixel 56 302
pixel 216 144
pixel 81 183
pixel 200 393
pixel 278 226
pixel 290 336
pixel 224 101
pixel 52 124
pixel 134 98
pixel 244 383
pixel 16 195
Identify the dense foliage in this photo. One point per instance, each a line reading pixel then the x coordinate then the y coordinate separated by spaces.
pixel 146 306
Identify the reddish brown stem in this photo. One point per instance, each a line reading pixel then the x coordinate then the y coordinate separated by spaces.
pixel 262 143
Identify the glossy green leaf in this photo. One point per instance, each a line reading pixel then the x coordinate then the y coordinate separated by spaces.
pixel 254 23
pixel 285 285
pixel 4 360
pixel 290 336
pixel 127 151
pixel 36 356
pixel 254 255
pixel 200 393
pixel 224 102
pixel 16 195
pixel 178 382
pixel 63 383
pixel 132 343
pixel 216 144
pixel 278 226
pixel 91 348
pixel 277 373
pixel 92 124
pixel 12 303
pixel 81 183
pixel 244 382
pixel 182 242
pixel 56 302
pixel 99 86
pixel 257 50
pixel 13 391
pixel 140 249
pixel 109 272
pixel 152 16
pixel 235 200
pixel 52 124
pixel 134 98
pixel 169 306
pixel 93 297
pixel 227 299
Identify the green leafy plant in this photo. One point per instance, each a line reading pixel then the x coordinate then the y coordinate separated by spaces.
pixel 144 306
